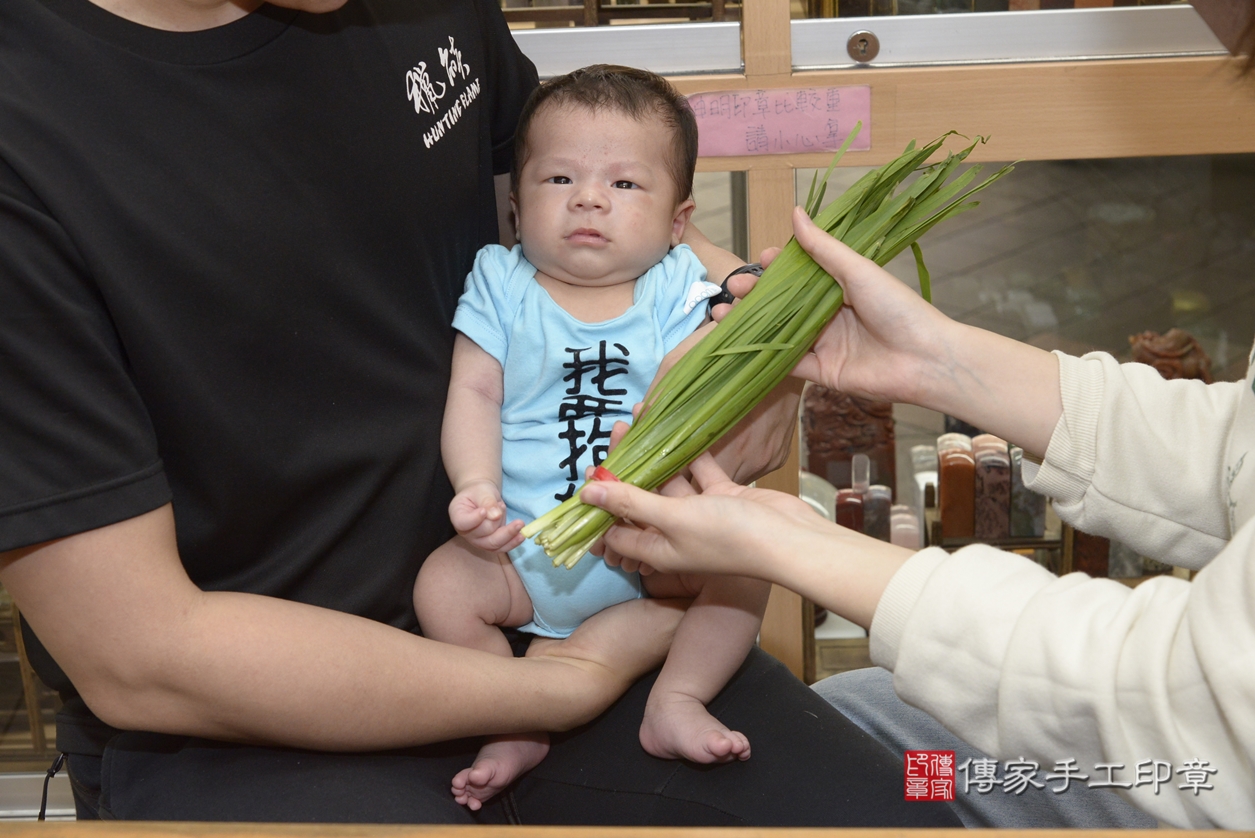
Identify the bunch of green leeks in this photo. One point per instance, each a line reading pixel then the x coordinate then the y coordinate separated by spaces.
pixel 717 382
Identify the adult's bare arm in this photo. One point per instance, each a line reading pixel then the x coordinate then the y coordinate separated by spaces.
pixel 717 261
pixel 149 650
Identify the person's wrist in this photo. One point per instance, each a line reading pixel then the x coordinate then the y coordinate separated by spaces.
pixel 931 364
pixel 843 571
pixel 466 485
pixel 785 552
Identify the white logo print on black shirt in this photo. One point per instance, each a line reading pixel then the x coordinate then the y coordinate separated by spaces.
pixel 427 94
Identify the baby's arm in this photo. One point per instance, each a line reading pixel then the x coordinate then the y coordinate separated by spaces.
pixel 470 442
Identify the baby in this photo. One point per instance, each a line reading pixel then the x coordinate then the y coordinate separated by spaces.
pixel 557 339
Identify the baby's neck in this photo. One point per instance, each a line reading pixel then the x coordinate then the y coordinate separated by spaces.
pixel 589 304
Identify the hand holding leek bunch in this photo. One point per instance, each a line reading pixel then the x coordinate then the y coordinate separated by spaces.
pixel 717 382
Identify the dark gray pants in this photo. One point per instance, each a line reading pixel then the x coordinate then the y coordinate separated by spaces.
pixel 867 698
pixel 810 766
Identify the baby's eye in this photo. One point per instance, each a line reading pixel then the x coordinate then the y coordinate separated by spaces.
pixel 559 179
pixel 625 184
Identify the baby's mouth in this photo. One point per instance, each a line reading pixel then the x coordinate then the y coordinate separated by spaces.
pixel 586 235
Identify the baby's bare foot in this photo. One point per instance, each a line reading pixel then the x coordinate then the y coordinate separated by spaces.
pixel 500 762
pixel 679 727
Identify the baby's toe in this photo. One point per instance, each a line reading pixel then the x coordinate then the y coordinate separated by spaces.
pixel 740 745
pixel 481 775
pixel 720 745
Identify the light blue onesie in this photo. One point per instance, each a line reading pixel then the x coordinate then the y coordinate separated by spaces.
pixel 566 383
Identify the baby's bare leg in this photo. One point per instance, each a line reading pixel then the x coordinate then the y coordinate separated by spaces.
pixel 710 644
pixel 463 594
pixel 461 597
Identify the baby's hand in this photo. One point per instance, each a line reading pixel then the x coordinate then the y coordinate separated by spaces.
pixel 478 514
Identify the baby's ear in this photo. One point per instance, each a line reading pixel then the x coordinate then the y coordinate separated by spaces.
pixel 514 215
pixel 678 223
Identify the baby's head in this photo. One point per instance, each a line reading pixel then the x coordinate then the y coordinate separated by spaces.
pixel 603 170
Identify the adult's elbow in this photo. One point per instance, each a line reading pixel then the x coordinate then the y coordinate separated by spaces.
pixel 122 697
pixel 135 685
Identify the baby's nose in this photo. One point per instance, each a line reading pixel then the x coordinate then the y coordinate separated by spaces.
pixel 590 198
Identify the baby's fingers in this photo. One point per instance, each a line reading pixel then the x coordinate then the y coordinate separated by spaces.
pixel 468 519
pixel 500 539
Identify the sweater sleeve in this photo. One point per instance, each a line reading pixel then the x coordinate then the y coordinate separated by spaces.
pixel 1141 459
pixel 1022 664
pixel 1053 669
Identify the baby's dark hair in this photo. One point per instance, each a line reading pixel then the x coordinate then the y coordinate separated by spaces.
pixel 636 93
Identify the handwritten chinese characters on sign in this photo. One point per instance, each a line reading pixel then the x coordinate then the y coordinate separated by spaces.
pixel 741 122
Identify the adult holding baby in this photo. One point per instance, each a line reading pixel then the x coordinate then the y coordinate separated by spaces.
pixel 1017 662
pixel 232 236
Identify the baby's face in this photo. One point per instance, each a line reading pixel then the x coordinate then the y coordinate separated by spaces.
pixel 595 204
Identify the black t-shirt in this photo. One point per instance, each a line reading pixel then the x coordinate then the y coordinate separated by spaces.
pixel 229 261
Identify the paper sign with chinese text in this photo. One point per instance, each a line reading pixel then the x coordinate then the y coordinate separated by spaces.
pixel 797 120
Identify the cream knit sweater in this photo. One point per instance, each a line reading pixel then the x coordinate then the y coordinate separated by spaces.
pixel 1021 663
